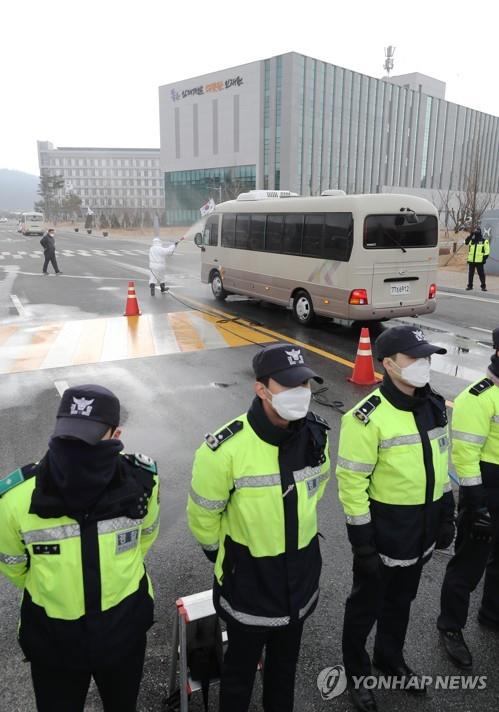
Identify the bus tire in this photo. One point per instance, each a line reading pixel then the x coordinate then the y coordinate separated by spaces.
pixel 217 287
pixel 303 309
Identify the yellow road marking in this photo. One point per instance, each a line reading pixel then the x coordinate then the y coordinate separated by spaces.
pixel 6 332
pixel 37 349
pixel 91 342
pixel 186 335
pixel 234 333
pixel 140 338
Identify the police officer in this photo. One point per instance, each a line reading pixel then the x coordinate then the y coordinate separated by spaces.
pixel 256 484
pixel 75 528
pixel 475 453
pixel 478 252
pixel 394 487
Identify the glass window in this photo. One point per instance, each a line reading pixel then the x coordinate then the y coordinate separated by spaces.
pixel 257 232
pixel 210 232
pixel 242 231
pixel 390 232
pixel 228 230
pixel 338 234
pixel 312 235
pixel 293 227
pixel 273 234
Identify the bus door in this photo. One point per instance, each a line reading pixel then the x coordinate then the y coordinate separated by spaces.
pixel 210 245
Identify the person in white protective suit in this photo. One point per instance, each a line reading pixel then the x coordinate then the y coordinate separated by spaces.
pixel 157 263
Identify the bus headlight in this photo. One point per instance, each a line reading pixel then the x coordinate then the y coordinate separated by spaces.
pixel 358 296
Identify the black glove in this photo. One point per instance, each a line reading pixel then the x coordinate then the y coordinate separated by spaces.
pixel 481 526
pixel 366 561
pixel 445 535
pixel 211 554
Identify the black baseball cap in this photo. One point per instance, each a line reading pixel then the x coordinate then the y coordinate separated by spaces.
pixel 86 413
pixel 405 339
pixel 495 338
pixel 284 363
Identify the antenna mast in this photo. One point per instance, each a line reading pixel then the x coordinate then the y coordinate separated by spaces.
pixel 388 65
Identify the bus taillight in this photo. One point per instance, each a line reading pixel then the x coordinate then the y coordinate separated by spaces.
pixel 358 296
pixel 433 291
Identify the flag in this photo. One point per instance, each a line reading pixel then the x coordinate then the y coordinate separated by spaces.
pixel 207 208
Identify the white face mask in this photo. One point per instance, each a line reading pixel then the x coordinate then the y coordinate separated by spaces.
pixel 292 404
pixel 417 374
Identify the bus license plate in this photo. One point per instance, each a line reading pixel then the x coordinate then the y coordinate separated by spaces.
pixel 398 289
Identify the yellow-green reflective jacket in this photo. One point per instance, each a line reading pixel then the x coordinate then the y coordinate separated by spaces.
pixel 255 504
pixel 477 251
pixel 392 472
pixel 475 435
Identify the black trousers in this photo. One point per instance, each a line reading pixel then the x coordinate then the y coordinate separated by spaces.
pixel 61 690
pixel 50 257
pixel 481 273
pixel 282 648
pixel 386 600
pixel 464 572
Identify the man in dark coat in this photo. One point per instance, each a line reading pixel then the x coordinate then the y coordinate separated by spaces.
pixel 48 244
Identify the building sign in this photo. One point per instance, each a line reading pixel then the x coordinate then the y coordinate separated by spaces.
pixel 212 87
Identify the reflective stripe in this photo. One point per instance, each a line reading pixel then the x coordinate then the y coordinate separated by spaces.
pixel 249 619
pixel 354 466
pixel 468 437
pixel 495 419
pixel 470 481
pixel 258 481
pixel 437 433
pixel 358 519
pixel 208 503
pixel 447 486
pixel 64 531
pixel 404 562
pixel 364 352
pixel 107 526
pixel 401 440
pixel 210 547
pixel 303 611
pixel 300 475
pixel 152 528
pixel 12 560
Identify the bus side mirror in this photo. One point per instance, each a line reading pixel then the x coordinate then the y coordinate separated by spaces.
pixel 198 239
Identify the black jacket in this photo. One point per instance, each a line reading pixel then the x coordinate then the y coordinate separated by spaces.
pixel 48 243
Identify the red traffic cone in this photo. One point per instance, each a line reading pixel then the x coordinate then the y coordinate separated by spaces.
pixel 132 305
pixel 363 371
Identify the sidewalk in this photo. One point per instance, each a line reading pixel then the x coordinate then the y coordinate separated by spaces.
pixel 457 277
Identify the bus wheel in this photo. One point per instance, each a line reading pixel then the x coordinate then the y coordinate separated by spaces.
pixel 217 287
pixel 303 310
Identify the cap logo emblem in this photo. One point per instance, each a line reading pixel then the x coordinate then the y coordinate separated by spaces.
pixel 294 357
pixel 81 406
pixel 419 335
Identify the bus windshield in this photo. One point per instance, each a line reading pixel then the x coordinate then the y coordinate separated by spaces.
pixel 403 231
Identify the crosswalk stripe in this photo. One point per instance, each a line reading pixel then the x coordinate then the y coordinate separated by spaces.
pixel 26 347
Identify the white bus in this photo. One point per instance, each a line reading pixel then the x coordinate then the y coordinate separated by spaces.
pixel 31 224
pixel 349 257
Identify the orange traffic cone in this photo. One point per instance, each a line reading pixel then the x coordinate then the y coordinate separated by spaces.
pixel 363 371
pixel 132 305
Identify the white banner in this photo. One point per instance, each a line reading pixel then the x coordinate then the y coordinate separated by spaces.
pixel 207 208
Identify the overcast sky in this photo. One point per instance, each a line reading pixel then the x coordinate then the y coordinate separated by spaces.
pixel 87 73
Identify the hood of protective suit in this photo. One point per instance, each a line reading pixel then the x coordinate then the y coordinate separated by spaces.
pixel 156 241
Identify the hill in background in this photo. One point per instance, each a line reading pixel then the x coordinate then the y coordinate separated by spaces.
pixel 17 190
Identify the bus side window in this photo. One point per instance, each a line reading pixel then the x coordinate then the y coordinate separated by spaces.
pixel 312 235
pixel 338 236
pixel 293 229
pixel 257 232
pixel 210 234
pixel 242 231
pixel 228 230
pixel 273 234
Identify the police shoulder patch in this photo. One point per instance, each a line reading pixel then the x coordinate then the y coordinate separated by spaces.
pixel 364 411
pixel 8 482
pixel 318 419
pixel 214 441
pixel 140 460
pixel 481 387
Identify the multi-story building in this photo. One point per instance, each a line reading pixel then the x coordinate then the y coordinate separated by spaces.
pixel 108 180
pixel 297 123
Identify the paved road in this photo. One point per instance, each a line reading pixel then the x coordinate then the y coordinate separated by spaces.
pixel 188 373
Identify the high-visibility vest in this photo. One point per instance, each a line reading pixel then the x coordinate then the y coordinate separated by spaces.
pixel 477 251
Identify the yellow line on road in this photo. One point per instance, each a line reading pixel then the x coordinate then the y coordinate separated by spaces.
pixel 185 333
pixel 91 342
pixel 140 338
pixel 38 348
